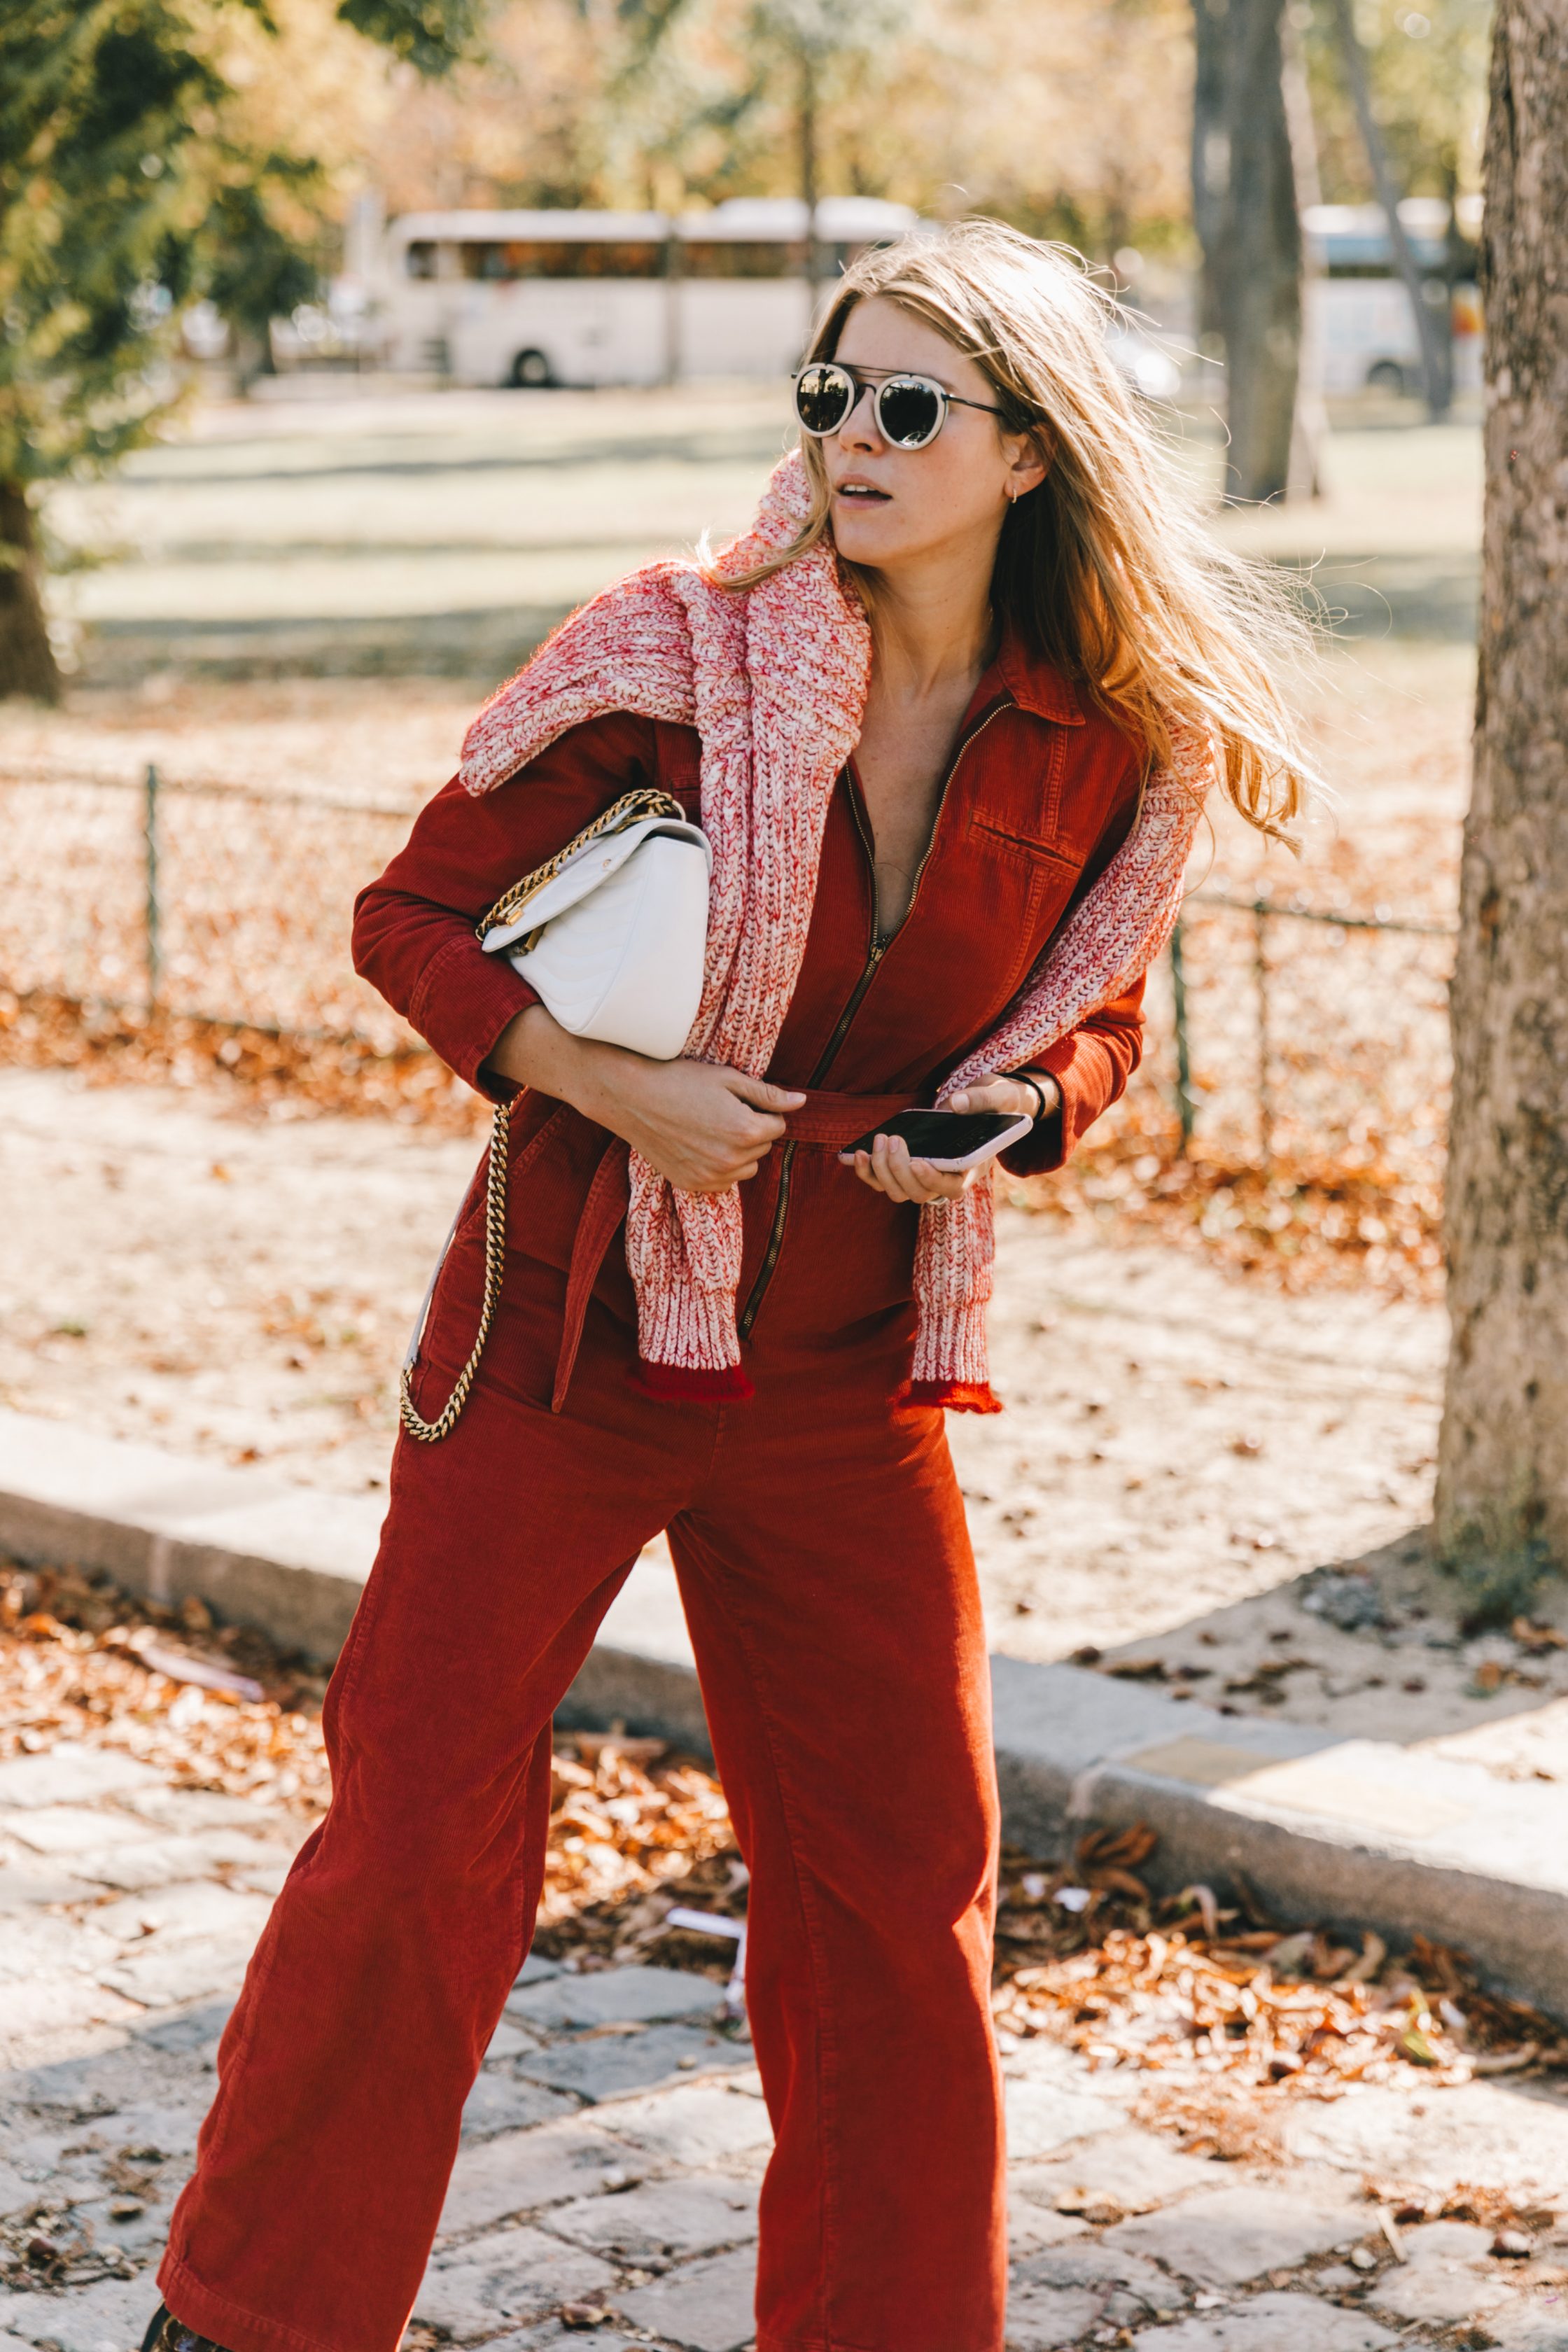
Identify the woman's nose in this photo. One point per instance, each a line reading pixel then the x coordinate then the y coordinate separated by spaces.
pixel 859 427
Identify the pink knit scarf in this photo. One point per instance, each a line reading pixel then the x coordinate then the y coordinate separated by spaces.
pixel 773 678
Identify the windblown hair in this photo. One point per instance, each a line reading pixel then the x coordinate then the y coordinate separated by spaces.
pixel 1106 568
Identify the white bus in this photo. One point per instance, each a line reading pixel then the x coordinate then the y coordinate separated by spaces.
pixel 1358 308
pixel 593 297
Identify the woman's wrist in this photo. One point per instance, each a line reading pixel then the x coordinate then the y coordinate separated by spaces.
pixel 533 1050
pixel 1046 1093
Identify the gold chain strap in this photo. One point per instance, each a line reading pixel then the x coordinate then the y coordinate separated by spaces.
pixel 428 1432
pixel 630 809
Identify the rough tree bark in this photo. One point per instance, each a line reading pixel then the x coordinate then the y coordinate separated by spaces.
pixel 1503 1459
pixel 27 663
pixel 1244 208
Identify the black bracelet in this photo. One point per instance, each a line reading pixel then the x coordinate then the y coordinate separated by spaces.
pixel 1024 1080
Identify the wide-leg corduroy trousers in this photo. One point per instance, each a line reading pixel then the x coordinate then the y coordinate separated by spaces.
pixel 829 1587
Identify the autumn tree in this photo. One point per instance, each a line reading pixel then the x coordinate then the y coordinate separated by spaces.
pixel 1245 211
pixel 129 188
pixel 1503 1462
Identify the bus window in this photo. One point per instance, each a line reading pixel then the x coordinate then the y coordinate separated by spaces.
pixel 420 260
pixel 732 257
pixel 563 257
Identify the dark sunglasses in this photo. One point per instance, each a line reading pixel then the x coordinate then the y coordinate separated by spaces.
pixel 910 410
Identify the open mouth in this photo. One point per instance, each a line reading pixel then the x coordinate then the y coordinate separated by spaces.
pixel 862 494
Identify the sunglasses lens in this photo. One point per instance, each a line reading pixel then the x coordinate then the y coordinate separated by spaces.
pixel 909 412
pixel 823 396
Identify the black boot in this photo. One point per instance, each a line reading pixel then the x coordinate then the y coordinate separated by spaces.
pixel 166 2334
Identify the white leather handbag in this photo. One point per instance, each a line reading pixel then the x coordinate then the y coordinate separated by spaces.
pixel 612 932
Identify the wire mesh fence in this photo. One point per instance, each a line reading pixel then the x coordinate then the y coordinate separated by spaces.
pixel 1306 1041
pixel 192 898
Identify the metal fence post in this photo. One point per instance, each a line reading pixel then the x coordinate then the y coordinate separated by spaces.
pixel 154 919
pixel 1184 1104
pixel 1260 912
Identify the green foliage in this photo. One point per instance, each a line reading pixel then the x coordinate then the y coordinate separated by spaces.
pixel 128 190
pixel 1428 69
pixel 429 34
pixel 1499 1561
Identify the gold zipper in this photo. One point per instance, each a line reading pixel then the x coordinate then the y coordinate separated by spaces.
pixel 879 944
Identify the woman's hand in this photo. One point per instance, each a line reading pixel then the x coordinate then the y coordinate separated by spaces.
pixel 703 1126
pixel 889 1169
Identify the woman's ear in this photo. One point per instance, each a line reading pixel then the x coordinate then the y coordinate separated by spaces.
pixel 1030 455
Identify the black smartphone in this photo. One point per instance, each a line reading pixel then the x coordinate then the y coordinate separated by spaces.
pixel 949 1139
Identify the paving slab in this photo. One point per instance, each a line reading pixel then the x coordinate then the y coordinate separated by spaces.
pixel 1111 2271
pixel 1445 2275
pixel 109 2317
pixel 1045 2115
pixel 1487 2135
pixel 1271 2323
pixel 1124 2172
pixel 1045 2318
pixel 501 2101
pixel 1223 2236
pixel 1032 2226
pixel 673 2218
pixel 555 2337
pixel 196 1907
pixel 608 2065
pixel 630 1996
pixel 700 2126
pixel 25 1886
pixel 704 2306
pixel 513 2274
pixel 521 2171
pixel 75 1830
pixel 179 1972
pixel 167 1860
pixel 71 1774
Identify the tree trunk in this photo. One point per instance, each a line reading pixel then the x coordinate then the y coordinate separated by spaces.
pixel 1210 159
pixel 1245 211
pixel 1503 1459
pixel 27 663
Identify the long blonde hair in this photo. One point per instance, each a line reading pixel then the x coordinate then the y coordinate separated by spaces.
pixel 1107 567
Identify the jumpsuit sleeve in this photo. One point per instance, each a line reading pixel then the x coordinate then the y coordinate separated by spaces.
pixel 414 936
pixel 1091 1064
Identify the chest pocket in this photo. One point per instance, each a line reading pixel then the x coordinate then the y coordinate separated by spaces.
pixel 1021 815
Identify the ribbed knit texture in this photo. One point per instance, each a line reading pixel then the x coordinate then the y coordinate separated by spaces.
pixel 773 678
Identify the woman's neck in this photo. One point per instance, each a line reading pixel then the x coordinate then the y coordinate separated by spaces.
pixel 930 632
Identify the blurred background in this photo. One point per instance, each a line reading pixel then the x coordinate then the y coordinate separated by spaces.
pixel 349 347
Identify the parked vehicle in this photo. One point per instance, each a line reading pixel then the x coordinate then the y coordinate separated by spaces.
pixel 588 297
pixel 1357 306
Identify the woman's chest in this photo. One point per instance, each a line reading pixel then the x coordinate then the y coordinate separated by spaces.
pixel 1026 816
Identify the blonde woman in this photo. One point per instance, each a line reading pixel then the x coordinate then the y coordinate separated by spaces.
pixel 947 717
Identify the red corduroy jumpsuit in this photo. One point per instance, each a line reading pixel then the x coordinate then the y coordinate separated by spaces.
pixel 827 1579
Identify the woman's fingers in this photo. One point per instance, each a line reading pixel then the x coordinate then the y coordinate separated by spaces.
pixel 888 1169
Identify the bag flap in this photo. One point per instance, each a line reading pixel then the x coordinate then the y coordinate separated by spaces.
pixel 584 872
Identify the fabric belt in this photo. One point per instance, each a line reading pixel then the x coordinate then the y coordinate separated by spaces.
pixel 825 1121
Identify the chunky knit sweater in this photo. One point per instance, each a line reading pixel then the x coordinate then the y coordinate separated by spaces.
pixel 773 678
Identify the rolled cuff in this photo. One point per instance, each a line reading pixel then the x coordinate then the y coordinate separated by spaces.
pixel 463 1003
pixel 1087 1087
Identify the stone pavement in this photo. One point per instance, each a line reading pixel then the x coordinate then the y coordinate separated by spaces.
pixel 607 2189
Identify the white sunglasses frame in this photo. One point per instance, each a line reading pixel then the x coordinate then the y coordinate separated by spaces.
pixel 898 377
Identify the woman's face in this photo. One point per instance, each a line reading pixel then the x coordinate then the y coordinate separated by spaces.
pixel 891 507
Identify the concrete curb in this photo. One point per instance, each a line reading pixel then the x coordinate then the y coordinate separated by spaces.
pixel 1352 1832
